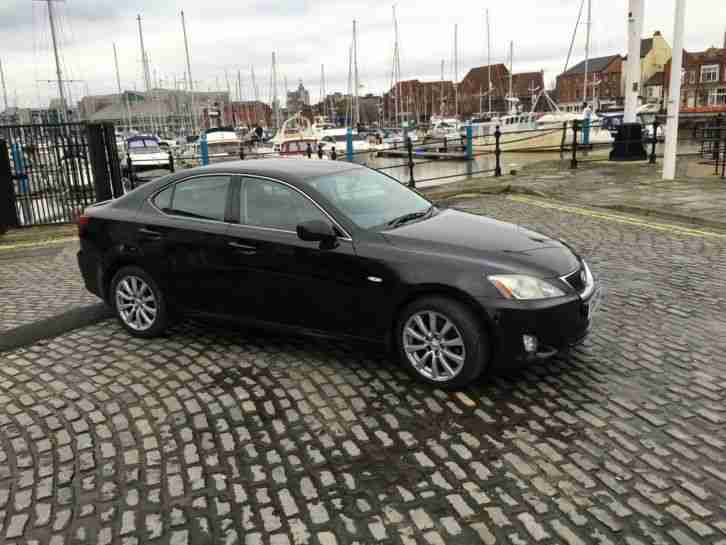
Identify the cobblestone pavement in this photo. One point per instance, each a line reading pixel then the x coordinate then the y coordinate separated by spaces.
pixel 217 436
pixel 40 283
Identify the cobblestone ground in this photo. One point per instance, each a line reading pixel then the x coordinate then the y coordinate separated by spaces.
pixel 213 436
pixel 40 283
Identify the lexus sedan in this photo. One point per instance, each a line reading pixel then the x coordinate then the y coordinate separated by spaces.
pixel 336 249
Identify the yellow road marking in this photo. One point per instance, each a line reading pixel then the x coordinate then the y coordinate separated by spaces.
pixel 629 220
pixel 36 244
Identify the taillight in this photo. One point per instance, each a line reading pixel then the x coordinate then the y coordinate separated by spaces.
pixel 83 222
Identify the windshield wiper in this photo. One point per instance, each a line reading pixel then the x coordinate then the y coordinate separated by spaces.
pixel 405 218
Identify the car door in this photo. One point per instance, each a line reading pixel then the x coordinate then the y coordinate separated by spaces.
pixel 188 237
pixel 288 280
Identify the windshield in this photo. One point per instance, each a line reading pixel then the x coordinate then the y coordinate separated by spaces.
pixel 369 198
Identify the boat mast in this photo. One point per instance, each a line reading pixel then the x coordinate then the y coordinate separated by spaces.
pixel 349 106
pixel 398 99
pixel 323 105
pixel 256 94
pixel 59 72
pixel 356 82
pixel 120 91
pixel 2 80
pixel 489 65
pixel 511 66
pixel 144 58
pixel 273 91
pixel 189 75
pixel 441 105
pixel 239 97
pixel 587 49
pixel 456 70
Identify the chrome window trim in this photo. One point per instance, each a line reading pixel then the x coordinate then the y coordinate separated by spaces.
pixel 308 197
pixel 150 200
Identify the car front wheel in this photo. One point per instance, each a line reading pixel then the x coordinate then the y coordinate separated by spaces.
pixel 441 342
pixel 139 303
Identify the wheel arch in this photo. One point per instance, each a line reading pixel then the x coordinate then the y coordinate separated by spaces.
pixel 115 265
pixel 441 290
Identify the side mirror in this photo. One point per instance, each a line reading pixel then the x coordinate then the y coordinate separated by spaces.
pixel 316 231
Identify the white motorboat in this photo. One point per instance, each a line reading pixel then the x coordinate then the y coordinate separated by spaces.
pixel 222 142
pixel 145 153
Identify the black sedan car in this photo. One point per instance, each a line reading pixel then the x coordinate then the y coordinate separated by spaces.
pixel 336 249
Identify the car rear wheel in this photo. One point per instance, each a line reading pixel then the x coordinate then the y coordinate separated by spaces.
pixel 139 303
pixel 441 342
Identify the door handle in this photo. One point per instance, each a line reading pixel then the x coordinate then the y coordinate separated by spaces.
pixel 244 248
pixel 150 232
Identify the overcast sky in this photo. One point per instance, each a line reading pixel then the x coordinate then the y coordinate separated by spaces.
pixel 235 35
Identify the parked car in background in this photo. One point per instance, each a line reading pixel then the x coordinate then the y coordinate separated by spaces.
pixel 333 248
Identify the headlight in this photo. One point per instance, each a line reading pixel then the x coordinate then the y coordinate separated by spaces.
pixel 517 286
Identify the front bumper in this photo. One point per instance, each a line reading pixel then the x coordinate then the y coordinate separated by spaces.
pixel 558 325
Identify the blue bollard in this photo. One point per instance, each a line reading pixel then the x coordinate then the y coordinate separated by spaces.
pixel 204 149
pixel 469 146
pixel 349 145
pixel 19 162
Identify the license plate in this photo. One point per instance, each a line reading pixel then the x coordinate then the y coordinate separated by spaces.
pixel 592 304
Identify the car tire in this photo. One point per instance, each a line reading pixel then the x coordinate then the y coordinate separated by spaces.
pixel 138 302
pixel 457 343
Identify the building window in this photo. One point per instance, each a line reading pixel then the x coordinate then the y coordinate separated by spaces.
pixel 717 97
pixel 709 72
pixel 692 77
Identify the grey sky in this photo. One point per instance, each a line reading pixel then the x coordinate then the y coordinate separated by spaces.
pixel 235 35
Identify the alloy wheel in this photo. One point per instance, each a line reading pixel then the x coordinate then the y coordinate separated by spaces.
pixel 136 303
pixel 434 345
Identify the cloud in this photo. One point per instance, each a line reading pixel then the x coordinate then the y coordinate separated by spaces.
pixel 234 35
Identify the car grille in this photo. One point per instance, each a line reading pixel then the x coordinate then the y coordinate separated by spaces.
pixel 575 280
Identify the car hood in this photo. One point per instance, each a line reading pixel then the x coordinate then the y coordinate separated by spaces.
pixel 504 246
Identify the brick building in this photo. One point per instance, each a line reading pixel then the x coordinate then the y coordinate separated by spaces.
pixel 250 113
pixel 473 96
pixel 703 83
pixel 419 100
pixel 606 74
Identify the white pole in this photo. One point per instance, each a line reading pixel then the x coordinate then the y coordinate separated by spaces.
pixel 674 94
pixel 632 76
pixel 489 65
pixel 587 48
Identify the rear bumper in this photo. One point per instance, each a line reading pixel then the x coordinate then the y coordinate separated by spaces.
pixel 91 271
pixel 557 325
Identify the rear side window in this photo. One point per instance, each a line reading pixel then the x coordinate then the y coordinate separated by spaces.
pixel 204 198
pixel 163 199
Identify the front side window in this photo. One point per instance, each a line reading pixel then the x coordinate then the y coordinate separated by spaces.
pixel 367 197
pixel 204 198
pixel 265 203
pixel 709 72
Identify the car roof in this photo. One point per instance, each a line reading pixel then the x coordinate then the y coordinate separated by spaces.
pixel 294 171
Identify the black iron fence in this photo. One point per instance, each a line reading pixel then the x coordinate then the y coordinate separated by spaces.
pixel 49 173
